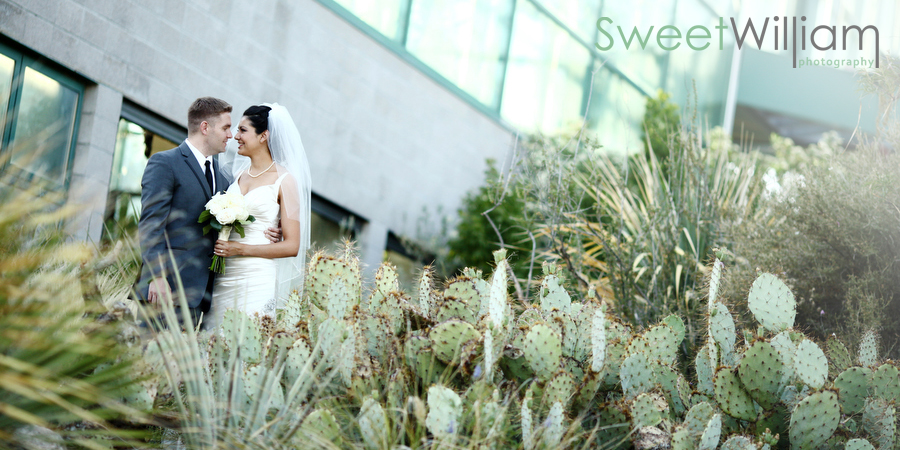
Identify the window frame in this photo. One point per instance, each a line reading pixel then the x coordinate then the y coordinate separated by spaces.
pixel 24 58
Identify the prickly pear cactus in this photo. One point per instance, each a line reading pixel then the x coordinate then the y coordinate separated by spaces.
pixel 497 304
pixel 659 343
pixel 297 362
pixel 543 350
pixel 242 335
pixel 722 330
pixel 761 371
pixel 648 410
pixel 814 420
pixel 449 338
pixel 868 349
pixel 373 424
pixel 598 339
pixel 838 356
pixel 709 440
pixel 772 303
pixel 879 422
pixel 553 296
pixel 732 396
pixel 319 430
pixel 386 281
pixel 858 444
pixel 444 411
pixel 810 364
pixel 526 419
pixel 739 443
pixel 554 427
pixel 637 375
pixel 853 387
pixel 705 370
pixel 886 383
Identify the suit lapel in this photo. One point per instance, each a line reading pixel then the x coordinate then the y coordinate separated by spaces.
pixel 191 161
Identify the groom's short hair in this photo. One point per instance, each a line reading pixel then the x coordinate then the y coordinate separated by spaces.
pixel 205 108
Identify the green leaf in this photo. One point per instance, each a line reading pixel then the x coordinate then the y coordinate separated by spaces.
pixel 216 225
pixel 207 228
pixel 251 219
pixel 238 228
pixel 204 216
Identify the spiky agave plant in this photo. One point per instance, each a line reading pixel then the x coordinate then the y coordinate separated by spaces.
pixel 57 366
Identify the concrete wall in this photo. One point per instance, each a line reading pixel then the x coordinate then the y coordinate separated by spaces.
pixel 383 139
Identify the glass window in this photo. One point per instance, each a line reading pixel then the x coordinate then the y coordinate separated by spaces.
pixel 473 58
pixel 326 234
pixel 545 80
pixel 615 113
pixel 7 66
pixel 643 66
pixel 44 126
pixel 579 15
pixel 388 17
pixel 39 108
pixel 134 145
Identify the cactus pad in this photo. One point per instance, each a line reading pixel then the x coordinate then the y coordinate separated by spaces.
pixel 553 296
pixel 543 350
pixel 373 424
pixel 738 443
pixel 637 375
pixel 709 440
pixel 761 371
pixel 497 302
pixel 838 356
pixel 785 347
pixel 858 444
pixel 853 387
pixel 814 420
pixel 659 343
pixel 879 422
pixel 732 397
pixel 886 383
pixel 554 428
pixel 320 429
pixel 722 330
pixel 559 389
pixel 297 357
pixel 810 364
pixel 598 339
pixel 772 303
pixel 648 409
pixel 452 308
pixel 868 349
pixel 705 370
pixel 242 335
pixel 444 411
pixel 448 339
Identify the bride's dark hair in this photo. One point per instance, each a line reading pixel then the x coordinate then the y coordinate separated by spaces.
pixel 259 117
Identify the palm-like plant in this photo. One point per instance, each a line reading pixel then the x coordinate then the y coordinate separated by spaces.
pixel 643 244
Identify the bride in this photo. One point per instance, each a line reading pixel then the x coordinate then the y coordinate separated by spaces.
pixel 272 174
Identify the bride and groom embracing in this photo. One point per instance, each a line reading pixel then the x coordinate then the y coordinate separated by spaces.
pixel 270 171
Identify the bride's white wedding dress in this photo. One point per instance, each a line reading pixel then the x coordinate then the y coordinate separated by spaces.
pixel 248 283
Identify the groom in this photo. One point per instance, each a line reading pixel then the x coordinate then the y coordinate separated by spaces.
pixel 175 187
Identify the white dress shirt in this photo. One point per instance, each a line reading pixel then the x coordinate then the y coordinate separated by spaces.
pixel 202 161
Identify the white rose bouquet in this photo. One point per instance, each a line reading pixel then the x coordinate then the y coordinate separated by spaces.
pixel 224 212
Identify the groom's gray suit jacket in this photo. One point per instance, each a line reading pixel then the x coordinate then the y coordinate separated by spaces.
pixel 174 192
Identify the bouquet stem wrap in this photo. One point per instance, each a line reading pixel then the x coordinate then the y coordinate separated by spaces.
pixel 218 263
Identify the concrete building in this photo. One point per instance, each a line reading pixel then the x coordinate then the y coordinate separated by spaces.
pixel 399 102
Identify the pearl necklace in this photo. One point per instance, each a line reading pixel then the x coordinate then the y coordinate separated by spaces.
pixel 264 171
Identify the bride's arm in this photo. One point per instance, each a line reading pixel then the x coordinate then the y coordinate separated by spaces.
pixel 288 247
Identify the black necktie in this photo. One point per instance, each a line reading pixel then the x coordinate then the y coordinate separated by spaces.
pixel 209 176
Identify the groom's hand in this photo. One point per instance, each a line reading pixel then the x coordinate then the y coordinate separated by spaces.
pixel 159 291
pixel 274 234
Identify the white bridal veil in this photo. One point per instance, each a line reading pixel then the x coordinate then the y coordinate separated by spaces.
pixel 288 153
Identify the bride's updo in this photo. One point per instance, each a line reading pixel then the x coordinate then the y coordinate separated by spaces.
pixel 258 115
